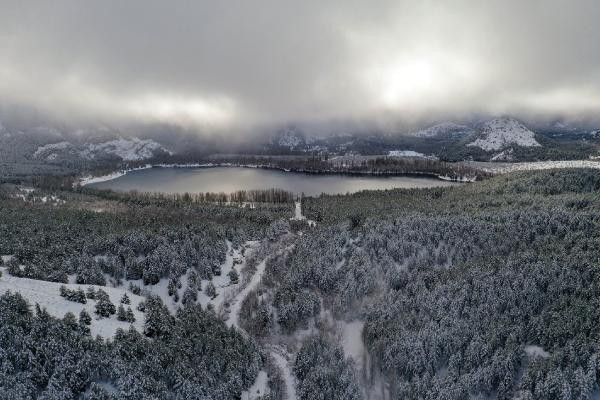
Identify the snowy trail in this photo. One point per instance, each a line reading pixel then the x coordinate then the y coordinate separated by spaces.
pixel 299 211
pixel 281 358
pixel 239 298
pixel 236 302
pixel 259 388
pixel 280 355
pixel 299 217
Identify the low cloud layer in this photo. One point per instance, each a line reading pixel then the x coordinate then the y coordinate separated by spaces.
pixel 230 64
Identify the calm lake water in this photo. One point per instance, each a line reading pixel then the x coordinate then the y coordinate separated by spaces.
pixel 230 179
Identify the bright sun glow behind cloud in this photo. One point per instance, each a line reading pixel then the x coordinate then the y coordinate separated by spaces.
pixel 415 81
pixel 227 65
pixel 407 81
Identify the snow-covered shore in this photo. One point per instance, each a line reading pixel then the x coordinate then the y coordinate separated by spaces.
pixel 489 167
pixel 87 180
pixel 503 168
pixel 464 179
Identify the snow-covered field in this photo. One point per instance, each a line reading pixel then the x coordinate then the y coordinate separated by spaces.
pixel 46 294
pixel 502 168
pixel 224 288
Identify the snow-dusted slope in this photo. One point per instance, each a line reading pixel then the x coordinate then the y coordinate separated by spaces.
pixel 499 133
pixel 289 138
pixel 127 149
pixel 445 128
pixel 46 294
pixel 224 288
pixel 133 149
pixel 51 151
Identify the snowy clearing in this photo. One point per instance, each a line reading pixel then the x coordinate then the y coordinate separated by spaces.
pixel 46 294
pixel 222 282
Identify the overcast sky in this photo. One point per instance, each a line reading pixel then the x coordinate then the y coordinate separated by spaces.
pixel 225 64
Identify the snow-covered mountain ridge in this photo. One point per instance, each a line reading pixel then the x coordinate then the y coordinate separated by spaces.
pixel 496 134
pixel 502 132
pixel 130 149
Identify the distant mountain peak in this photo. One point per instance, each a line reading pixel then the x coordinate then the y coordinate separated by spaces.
pixel 501 132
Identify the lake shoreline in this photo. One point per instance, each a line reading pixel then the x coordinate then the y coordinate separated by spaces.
pixel 88 180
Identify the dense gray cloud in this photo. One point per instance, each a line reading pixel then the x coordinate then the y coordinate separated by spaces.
pixel 222 65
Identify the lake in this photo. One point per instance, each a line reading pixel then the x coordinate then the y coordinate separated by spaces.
pixel 230 179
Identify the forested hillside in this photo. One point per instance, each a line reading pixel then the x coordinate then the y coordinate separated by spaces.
pixel 486 290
